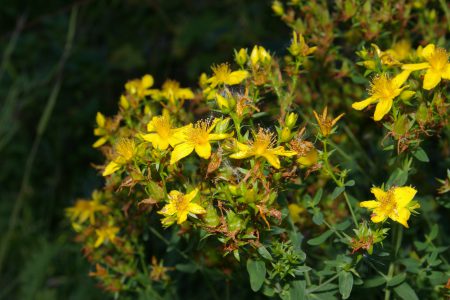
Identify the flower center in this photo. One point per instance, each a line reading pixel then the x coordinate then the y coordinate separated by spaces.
pixel 382 88
pixel 221 72
pixel 439 59
pixel 388 203
pixel 263 141
pixel 125 148
pixel 198 135
pixel 162 126
pixel 181 204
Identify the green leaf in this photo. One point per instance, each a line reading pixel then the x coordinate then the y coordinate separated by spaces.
pixel 320 239
pixel 317 218
pixel 298 289
pixel 396 280
pixel 350 183
pixel 374 282
pixel 421 155
pixel 345 284
pixel 317 197
pixel 257 272
pixel 405 292
pixel 434 232
pixel 264 253
pixel 337 191
pixel 302 269
pixel 186 268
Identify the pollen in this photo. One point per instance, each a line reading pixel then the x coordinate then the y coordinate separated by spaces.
pixel 263 141
pixel 199 133
pixel 162 126
pixel 382 87
pixel 439 59
pixel 388 204
pixel 125 148
pixel 221 72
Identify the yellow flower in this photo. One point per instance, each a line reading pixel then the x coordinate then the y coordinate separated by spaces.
pixel 223 75
pixel 259 55
pixel 85 209
pixel 383 90
pixel 196 137
pixel 172 91
pixel 299 47
pixel 161 133
pixel 437 66
pixel 295 211
pixel 326 124
pixel 262 146
pixel 140 87
pixel 400 50
pixel 179 206
pixel 104 234
pixel 125 150
pixel 396 204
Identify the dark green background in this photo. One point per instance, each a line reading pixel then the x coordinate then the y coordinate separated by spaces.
pixel 115 41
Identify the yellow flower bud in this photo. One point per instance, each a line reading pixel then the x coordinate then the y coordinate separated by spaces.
pixel 309 159
pixel 406 95
pixel 241 56
pixel 286 134
pixel 291 119
pixel 124 102
pixel 278 8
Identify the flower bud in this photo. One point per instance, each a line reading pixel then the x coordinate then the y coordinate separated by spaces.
pixel 309 159
pixel 406 95
pixel 285 134
pixel 241 56
pixel 124 102
pixel 278 8
pixel 291 119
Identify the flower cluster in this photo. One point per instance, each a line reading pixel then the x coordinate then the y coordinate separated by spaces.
pixel 258 176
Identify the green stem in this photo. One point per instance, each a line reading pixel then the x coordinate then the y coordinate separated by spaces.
pixel 338 182
pixel 397 241
pixel 309 291
pixel 333 229
pixel 351 209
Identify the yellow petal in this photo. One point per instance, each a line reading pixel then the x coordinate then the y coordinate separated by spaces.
pixel 401 216
pixel 203 150
pixel 281 151
pixel 383 107
pixel 100 142
pixel 185 93
pixel 196 209
pixel 191 195
pixel 147 81
pixel 378 193
pixel 241 146
pixel 376 218
pixel 403 195
pixel 99 241
pixel 218 136
pixel 431 79
pixel 401 78
pixel 168 210
pixel 180 151
pixel 428 51
pixel 272 159
pixel 111 168
pixel 241 155
pixel 236 77
pixel 371 204
pixel 100 118
pixel 415 67
pixel 182 217
pixel 363 104
pixel 156 140
pixel 446 72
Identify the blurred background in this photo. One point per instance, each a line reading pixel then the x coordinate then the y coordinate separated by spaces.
pixel 60 63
